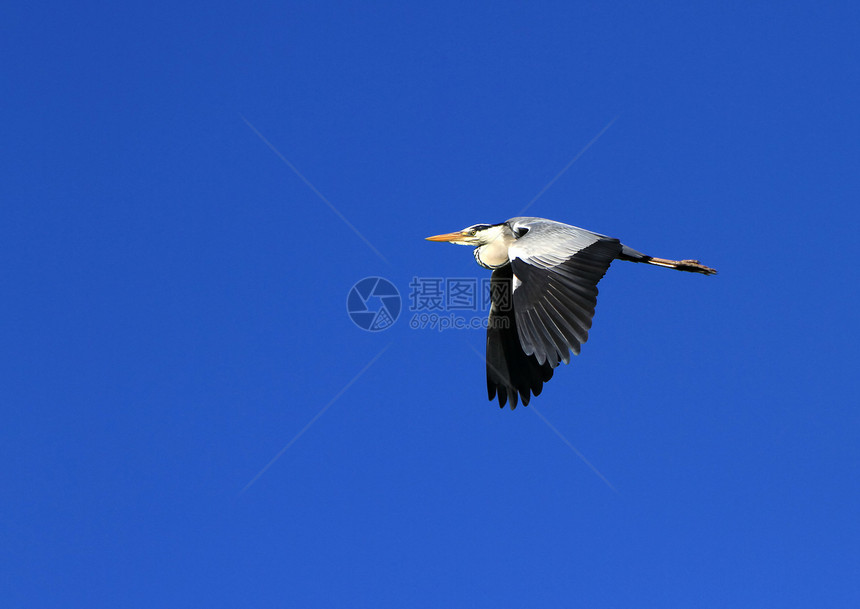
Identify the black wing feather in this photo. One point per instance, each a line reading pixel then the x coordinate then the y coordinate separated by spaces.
pixel 510 371
pixel 554 305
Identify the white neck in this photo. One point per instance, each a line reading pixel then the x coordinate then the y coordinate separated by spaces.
pixel 494 253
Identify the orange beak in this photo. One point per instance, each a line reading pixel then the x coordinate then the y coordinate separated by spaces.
pixel 447 237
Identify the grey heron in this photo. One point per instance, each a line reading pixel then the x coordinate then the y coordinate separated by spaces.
pixel 543 291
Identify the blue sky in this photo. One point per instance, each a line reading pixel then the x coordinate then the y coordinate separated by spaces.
pixel 174 305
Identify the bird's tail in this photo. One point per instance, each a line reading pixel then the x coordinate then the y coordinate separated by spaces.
pixel 691 266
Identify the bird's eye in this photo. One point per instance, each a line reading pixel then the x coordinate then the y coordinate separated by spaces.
pixel 473 231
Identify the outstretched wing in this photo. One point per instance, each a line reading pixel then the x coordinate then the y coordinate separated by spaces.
pixel 556 268
pixel 509 370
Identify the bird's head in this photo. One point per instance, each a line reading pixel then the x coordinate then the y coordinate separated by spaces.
pixel 476 235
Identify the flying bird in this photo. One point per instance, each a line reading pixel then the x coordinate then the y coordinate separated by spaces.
pixel 543 291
